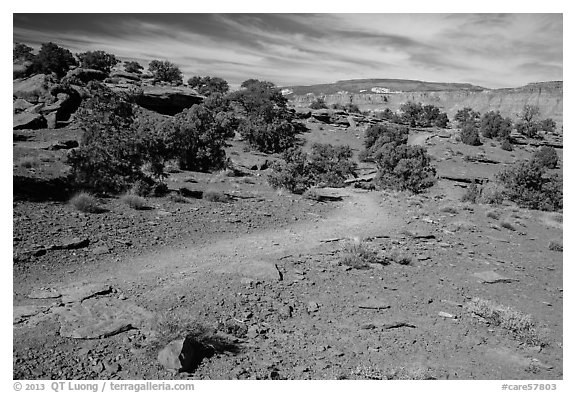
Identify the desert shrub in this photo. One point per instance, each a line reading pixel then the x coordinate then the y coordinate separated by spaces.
pixel 466 115
pixel 135 202
pixel 86 203
pixel 449 210
pixel 469 135
pixel 165 71
pixel 506 145
pixel 178 198
pixel 259 99
pixel 98 60
pixel 493 125
pixel 555 245
pixel 318 103
pixel 493 214
pixel 492 193
pixel 360 254
pixel 52 58
pixel 471 194
pixel 522 325
pixel 528 124
pixel 528 184
pixel 351 108
pixel 326 165
pixel 208 85
pixel 548 125
pixel 416 115
pixel 22 52
pixel 547 156
pixel 216 196
pixel 269 137
pixel 507 225
pixel 378 135
pixel 133 67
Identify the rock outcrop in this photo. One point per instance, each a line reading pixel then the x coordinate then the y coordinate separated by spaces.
pixel 168 100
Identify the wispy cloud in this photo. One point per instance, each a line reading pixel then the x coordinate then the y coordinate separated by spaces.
pixel 495 50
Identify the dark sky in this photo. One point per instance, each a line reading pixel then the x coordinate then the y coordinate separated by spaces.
pixel 491 50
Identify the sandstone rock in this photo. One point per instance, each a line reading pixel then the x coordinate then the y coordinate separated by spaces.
pixel 312 307
pixel 74 243
pixel 99 318
pixel 79 291
pixel 44 293
pixel 86 74
pixel 20 313
pixel 445 315
pixel 491 277
pixel 374 304
pixel 183 354
pixel 63 145
pixel 168 100
pixel 126 75
pixel 20 105
pixel 21 69
pixel 32 89
pixel 28 121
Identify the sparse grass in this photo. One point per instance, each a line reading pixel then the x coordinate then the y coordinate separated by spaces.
pixel 510 319
pixel 135 202
pixel 216 196
pixel 399 257
pixel 555 245
pixel 507 225
pixel 360 254
pixel 493 214
pixel 86 203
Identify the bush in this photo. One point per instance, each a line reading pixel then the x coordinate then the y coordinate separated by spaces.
pixel 209 85
pixel 493 125
pixel 52 58
pixel 379 134
pixel 86 203
pixel 98 60
pixel 465 116
pixel 491 194
pixel 133 67
pixel 506 145
pixel 326 165
pixel 268 137
pixel 469 135
pixel 547 156
pixel 22 52
pixel 318 103
pixel 548 125
pixel 528 184
pixel 216 196
pixel 472 193
pixel 135 202
pixel 528 124
pixel 165 71
pixel 416 115
pixel 359 254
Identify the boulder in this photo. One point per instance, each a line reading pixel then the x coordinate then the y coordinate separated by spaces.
pixel 33 89
pixel 322 115
pixel 86 74
pixel 183 354
pixel 125 75
pixel 20 105
pixel 28 121
pixel 168 100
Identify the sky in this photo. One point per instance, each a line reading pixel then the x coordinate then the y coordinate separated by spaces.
pixel 490 50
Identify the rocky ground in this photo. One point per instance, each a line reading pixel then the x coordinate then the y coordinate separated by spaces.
pixel 260 285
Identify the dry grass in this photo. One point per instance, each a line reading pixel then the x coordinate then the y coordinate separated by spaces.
pixel 86 203
pixel 135 202
pixel 360 254
pixel 508 318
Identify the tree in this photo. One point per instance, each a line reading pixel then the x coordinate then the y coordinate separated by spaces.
pixel 416 115
pixel 133 66
pixel 165 71
pixel 493 125
pixel 209 85
pixel 466 115
pixel 98 60
pixel 469 134
pixel 52 58
pixel 22 52
pixel 259 98
pixel 528 124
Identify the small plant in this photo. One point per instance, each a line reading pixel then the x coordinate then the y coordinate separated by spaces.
pixel 86 203
pixel 399 257
pixel 507 225
pixel 216 196
pixel 493 214
pixel 555 245
pixel 508 318
pixel 360 254
pixel 135 202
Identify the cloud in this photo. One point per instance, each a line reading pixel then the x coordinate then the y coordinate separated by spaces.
pixel 498 49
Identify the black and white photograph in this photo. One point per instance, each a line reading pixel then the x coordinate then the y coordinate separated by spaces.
pixel 287 196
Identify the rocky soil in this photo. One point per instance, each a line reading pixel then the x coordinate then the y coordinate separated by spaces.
pixel 259 286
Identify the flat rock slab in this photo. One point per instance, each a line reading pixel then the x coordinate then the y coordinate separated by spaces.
pixel 374 304
pixel 99 318
pixel 20 313
pixel 258 270
pixel 491 277
pixel 44 293
pixel 80 291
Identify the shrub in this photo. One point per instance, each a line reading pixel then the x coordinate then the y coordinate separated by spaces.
pixel 472 193
pixel 133 67
pixel 165 71
pixel 360 254
pixel 216 196
pixel 491 194
pixel 528 124
pixel 506 145
pixel 86 203
pixel 416 115
pixel 493 125
pixel 326 165
pixel 98 60
pixel 548 125
pixel 555 246
pixel 178 198
pixel 507 225
pixel 404 168
pixel 379 134
pixel 465 116
pixel 527 184
pixel 52 58
pixel 351 108
pixel 469 135
pixel 269 137
pixel 22 52
pixel 493 214
pixel 318 103
pixel 135 202
pixel 209 85
pixel 547 156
